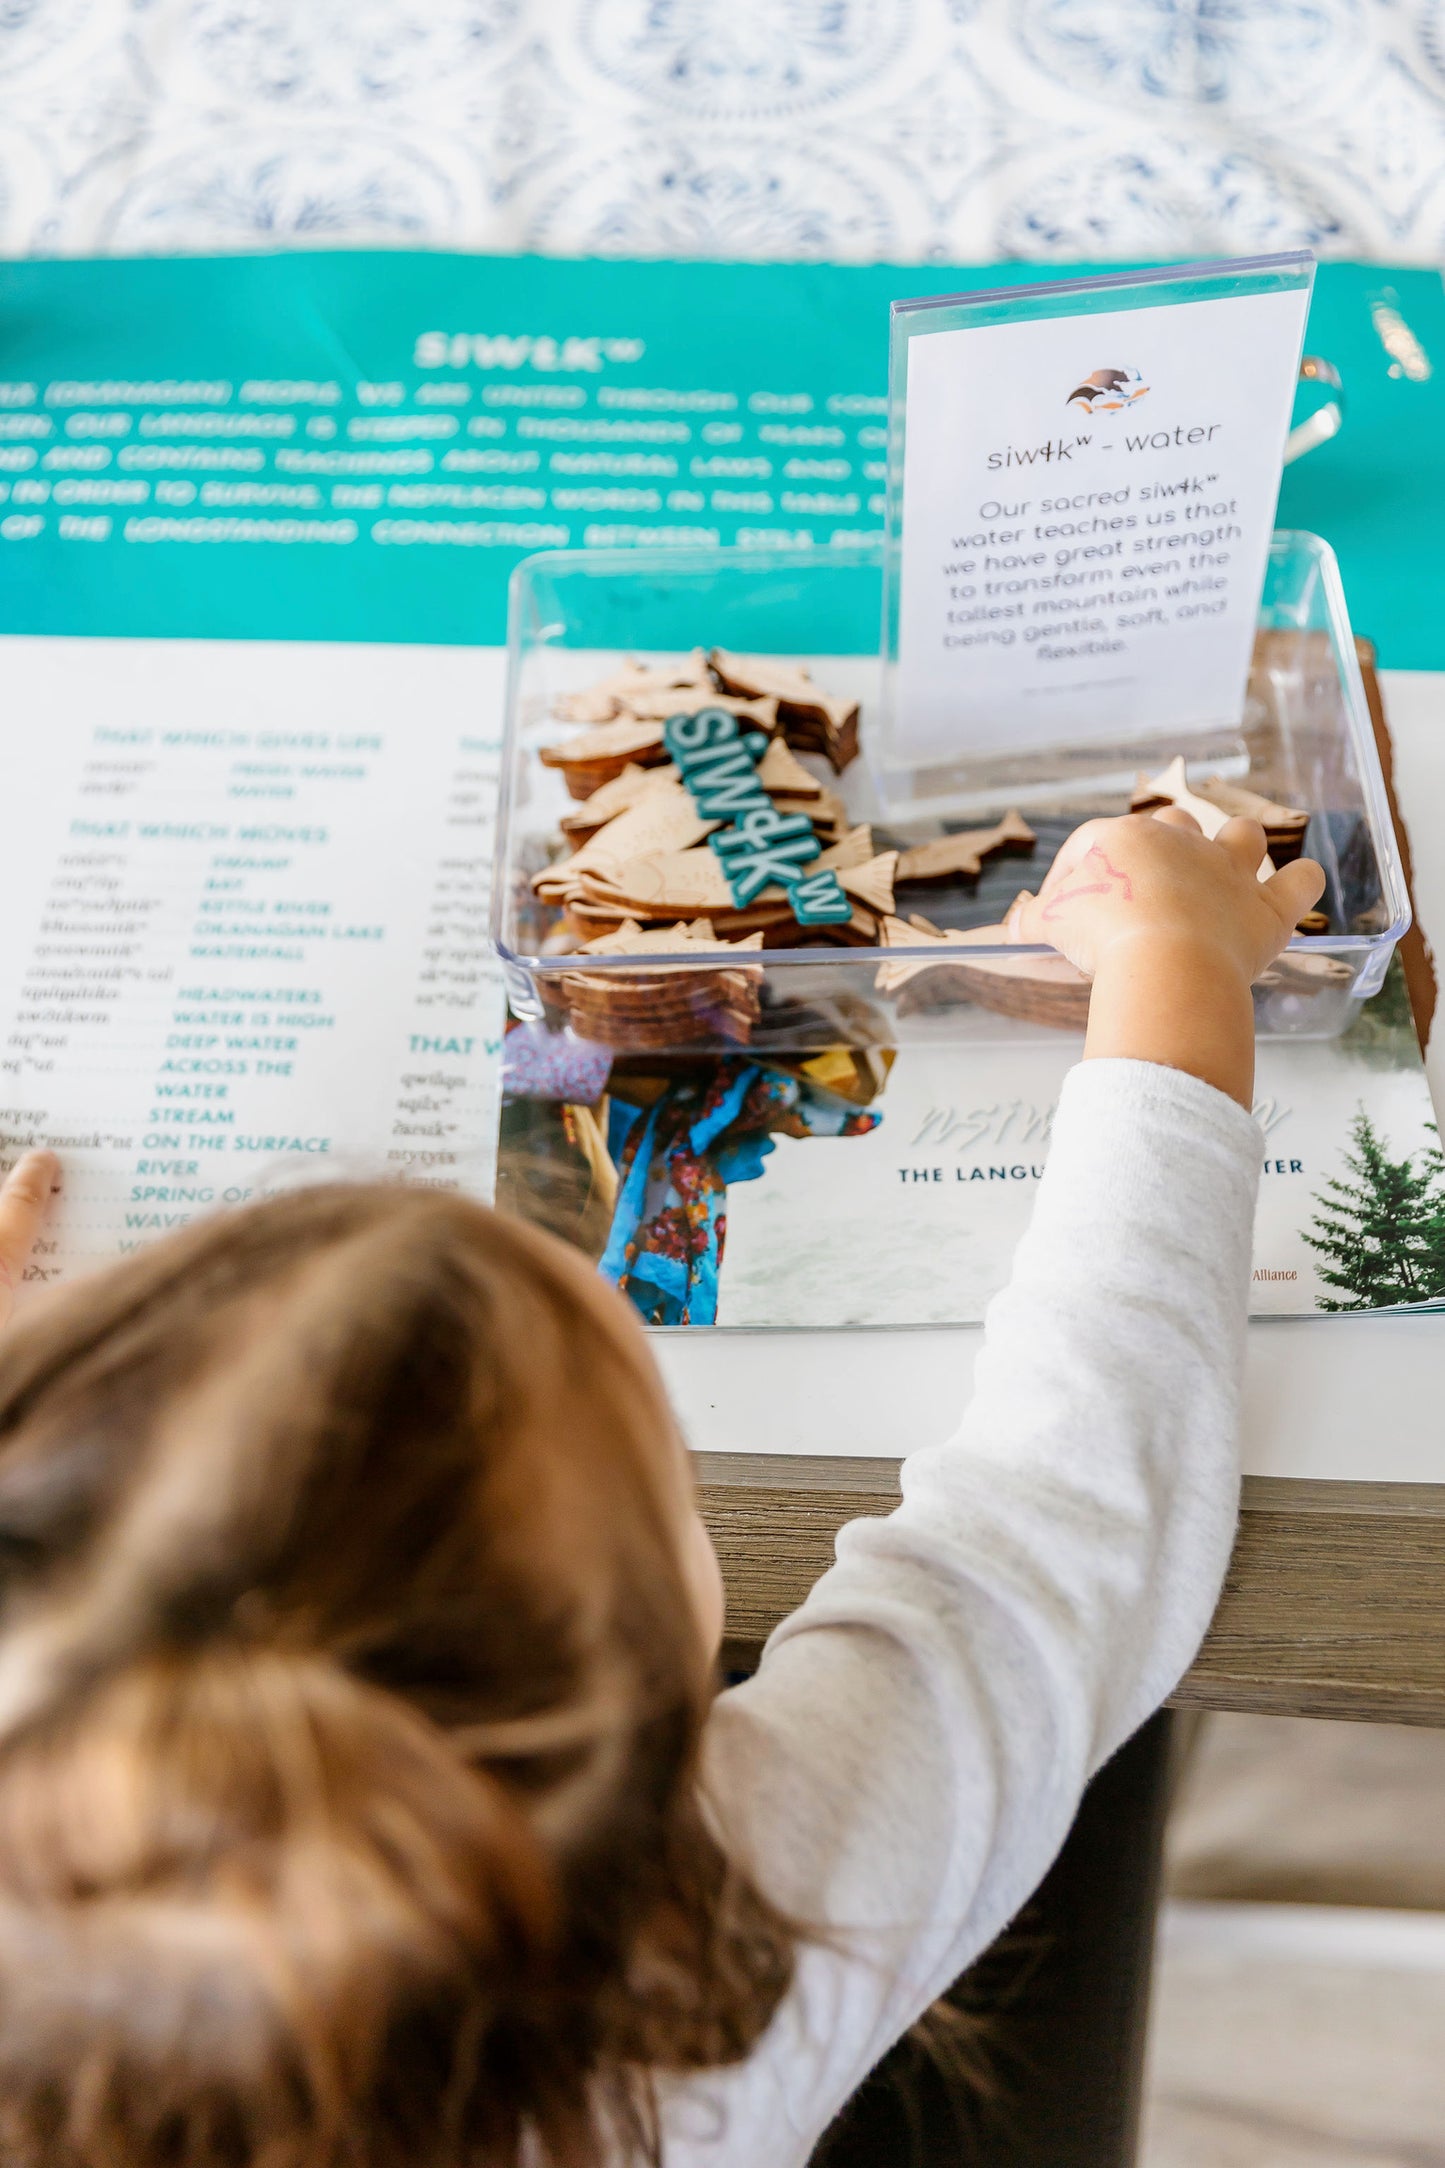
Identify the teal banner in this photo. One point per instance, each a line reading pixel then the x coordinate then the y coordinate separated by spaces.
pixel 360 446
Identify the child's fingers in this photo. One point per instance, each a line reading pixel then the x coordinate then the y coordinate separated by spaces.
pixel 1070 854
pixel 1018 919
pixel 1175 816
pixel 1295 889
pixel 1245 841
pixel 1076 845
pixel 24 1201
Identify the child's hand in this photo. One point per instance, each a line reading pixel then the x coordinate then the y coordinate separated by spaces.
pixel 24 1201
pixel 1155 878
pixel 1173 929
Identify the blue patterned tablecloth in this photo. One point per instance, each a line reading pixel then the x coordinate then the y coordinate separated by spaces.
pixel 830 130
pixel 834 134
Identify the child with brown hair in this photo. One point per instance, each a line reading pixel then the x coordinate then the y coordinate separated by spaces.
pixel 364 1800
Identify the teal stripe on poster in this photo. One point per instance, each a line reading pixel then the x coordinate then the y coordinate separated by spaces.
pixel 360 446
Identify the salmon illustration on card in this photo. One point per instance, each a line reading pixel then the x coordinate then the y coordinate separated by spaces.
pixel 1082 485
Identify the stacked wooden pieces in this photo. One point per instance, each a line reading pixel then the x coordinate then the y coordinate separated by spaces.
pixel 660 886
pixel 1213 802
pixel 812 720
pixel 795 789
pixel 612 695
pixel 642 1011
pixel 1040 987
pixel 623 713
pixel 653 865
pixel 661 818
pixel 960 857
pixel 1037 985
pixel 792 787
pixel 1296 972
pixel 695 829
pixel 656 843
pixel 599 755
pixel 638 835
pixel 645 859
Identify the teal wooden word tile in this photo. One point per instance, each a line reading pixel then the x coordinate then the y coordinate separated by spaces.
pixel 819 899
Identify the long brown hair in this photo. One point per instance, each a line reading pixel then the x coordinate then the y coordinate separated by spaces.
pixel 350 1699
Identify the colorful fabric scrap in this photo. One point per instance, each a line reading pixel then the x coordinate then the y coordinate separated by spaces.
pixel 675 1160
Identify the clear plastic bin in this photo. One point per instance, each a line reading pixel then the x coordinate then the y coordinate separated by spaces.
pixel 1305 739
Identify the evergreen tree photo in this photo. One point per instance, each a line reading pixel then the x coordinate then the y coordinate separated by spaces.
pixel 1381 1227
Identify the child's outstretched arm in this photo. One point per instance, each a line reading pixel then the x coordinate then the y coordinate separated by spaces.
pixel 1173 929
pixel 909 1757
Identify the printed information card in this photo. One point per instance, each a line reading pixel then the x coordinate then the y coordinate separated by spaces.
pixel 244 894
pixel 1088 487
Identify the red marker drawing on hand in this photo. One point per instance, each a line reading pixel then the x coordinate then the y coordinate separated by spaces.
pixel 1108 878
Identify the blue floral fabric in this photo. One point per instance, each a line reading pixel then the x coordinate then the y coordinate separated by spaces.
pixel 843 130
pixel 675 1160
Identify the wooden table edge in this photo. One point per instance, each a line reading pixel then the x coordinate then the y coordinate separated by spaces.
pixel 1333 1606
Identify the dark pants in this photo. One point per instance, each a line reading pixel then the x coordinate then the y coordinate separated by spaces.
pixel 1057 2009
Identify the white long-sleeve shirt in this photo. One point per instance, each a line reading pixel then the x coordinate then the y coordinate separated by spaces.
pixel 907 1761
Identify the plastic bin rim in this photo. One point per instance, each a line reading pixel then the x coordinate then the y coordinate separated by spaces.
pixel 620 561
pixel 606 563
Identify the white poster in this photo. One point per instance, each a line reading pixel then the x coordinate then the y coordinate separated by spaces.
pixel 244 893
pixel 916 1221
pixel 1087 503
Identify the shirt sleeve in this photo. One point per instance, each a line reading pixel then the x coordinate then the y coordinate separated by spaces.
pixel 908 1759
